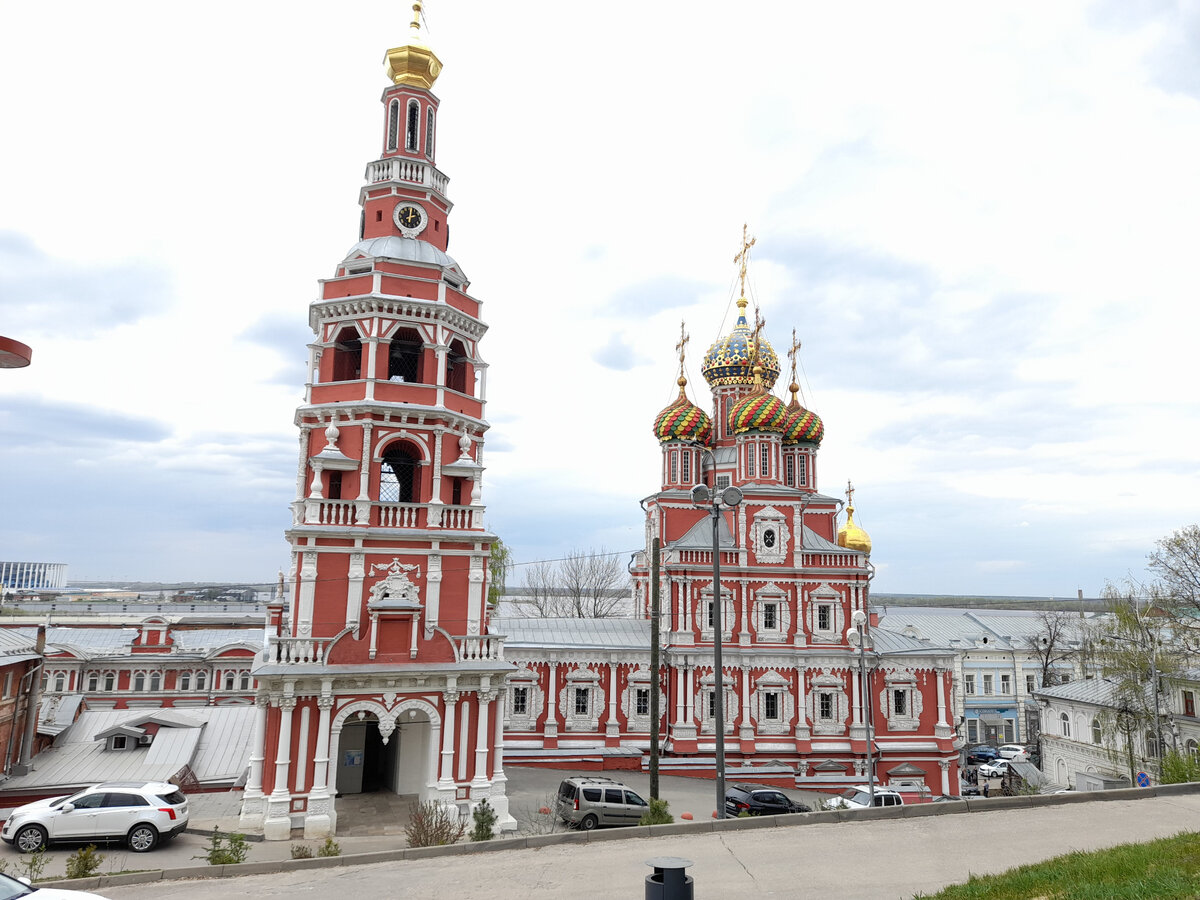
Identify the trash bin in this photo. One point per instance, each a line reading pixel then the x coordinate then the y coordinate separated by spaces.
pixel 669 881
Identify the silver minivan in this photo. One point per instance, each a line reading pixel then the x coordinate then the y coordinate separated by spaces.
pixel 587 801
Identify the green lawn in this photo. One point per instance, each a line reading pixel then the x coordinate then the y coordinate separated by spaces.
pixel 1162 870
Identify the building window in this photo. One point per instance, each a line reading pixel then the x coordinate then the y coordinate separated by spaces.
pixel 687 468
pixel 245 682
pixel 824 617
pixel 1064 677
pixel 118 742
pixel 722 482
pixel 973 731
pixel 1096 733
pixel 1064 725
pixel 185 681
pixel 1151 745
pixel 201 680
pixel 1030 684
pixel 1191 747
pixel 404 357
pixel 229 681
pixel 414 122
pixel 900 702
pixel 789 469
pixel 1005 684
pixel 393 136
pixel 749 460
pixel 642 702
pixel 429 133
pixel 520 701
pixel 397 476
pixel 771 706
pixel 1010 731
pixel 712 616
pixel 803 470
pixel 139 681
pixel 347 355
pixel 1189 703
pixel 60 682
pixel 770 619
pixel 768 538
pixel 581 702
pixel 8 680
pixel 825 706
pixel 156 681
pixel 110 681
pixel 764 460
pixel 987 685
pixel 673 469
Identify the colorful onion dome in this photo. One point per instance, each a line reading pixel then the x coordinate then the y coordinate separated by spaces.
pixel 803 426
pixel 759 411
pixel 851 536
pixel 683 420
pixel 728 361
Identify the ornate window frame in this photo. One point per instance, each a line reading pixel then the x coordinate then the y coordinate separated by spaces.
pixel 769 536
pixel 834 685
pixel 781 686
pixel 582 678
pixel 728 612
pixel 772 593
pixel 640 680
pixel 529 680
pixel 826 596
pixel 708 723
pixel 904 681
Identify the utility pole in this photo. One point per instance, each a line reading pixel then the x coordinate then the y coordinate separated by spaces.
pixel 655 607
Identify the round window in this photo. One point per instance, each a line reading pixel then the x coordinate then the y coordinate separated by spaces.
pixel 769 538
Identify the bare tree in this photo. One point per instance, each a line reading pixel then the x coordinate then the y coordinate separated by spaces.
pixel 592 581
pixel 542 596
pixel 1053 643
pixel 1176 563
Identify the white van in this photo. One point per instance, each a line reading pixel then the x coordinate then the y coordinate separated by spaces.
pixel 860 798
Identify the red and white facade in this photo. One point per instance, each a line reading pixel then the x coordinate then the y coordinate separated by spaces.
pixel 382 673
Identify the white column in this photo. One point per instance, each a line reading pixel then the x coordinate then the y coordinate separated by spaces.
pixel 679 699
pixel 321 818
pixel 435 498
pixel 302 754
pixel 354 588
pixel 551 729
pixel 802 731
pixel 498 798
pixel 464 734
pixel 484 700
pixel 277 826
pixel 944 765
pixel 446 776
pixel 302 617
pixel 253 801
pixel 747 729
pixel 612 728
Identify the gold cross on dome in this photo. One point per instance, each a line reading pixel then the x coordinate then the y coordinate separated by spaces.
pixel 849 493
pixel 684 337
pixel 743 257
pixel 759 324
pixel 792 353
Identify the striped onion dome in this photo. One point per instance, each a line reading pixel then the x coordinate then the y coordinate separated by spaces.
pixel 729 360
pixel 683 420
pixel 759 411
pixel 803 426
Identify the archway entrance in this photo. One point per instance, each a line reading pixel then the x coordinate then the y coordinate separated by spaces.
pixel 404 765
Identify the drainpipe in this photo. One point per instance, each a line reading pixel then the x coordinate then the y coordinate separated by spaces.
pixel 32 703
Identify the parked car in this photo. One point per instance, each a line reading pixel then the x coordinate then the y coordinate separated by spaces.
pixel 1013 751
pixel 140 813
pixel 860 798
pixel 587 801
pixel 12 888
pixel 995 769
pixel 982 754
pixel 756 800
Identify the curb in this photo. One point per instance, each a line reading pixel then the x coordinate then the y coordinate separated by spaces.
pixel 530 842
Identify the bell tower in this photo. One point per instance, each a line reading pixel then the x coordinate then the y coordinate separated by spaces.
pixel 380 673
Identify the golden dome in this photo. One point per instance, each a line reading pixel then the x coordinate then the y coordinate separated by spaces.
pixel 414 63
pixel 852 537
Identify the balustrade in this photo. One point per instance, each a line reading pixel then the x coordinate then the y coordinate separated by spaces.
pixel 298 650
pixel 397 169
pixel 479 648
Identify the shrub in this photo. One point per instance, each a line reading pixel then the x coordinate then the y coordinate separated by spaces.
pixel 330 848
pixel 84 862
pixel 657 814
pixel 485 822
pixel 433 825
pixel 301 851
pixel 1179 767
pixel 33 864
pixel 225 851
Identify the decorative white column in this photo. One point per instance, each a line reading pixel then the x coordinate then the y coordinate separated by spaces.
pixel 944 765
pixel 254 802
pixel 321 819
pixel 446 776
pixel 551 729
pixel 362 504
pixel 306 595
pixel 499 794
pixel 747 729
pixel 802 730
pixel 354 590
pixel 277 826
pixel 679 698
pixel 612 729
pixel 480 782
pixel 942 729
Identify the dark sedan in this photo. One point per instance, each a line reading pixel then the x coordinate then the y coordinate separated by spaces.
pixel 753 800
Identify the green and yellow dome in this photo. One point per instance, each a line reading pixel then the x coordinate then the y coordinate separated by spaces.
pixel 683 420
pixel 803 426
pixel 759 411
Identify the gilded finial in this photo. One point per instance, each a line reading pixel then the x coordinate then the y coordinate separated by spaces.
pixel 415 24
pixel 680 346
pixel 742 258
pixel 849 495
pixel 851 535
pixel 794 387
pixel 755 362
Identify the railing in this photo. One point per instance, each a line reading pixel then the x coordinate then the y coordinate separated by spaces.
pixel 704 558
pixel 386 515
pixel 833 560
pixel 460 517
pixel 400 515
pixel 335 512
pixel 297 651
pixel 397 169
pixel 479 648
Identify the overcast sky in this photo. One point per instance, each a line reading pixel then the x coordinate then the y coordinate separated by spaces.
pixel 982 224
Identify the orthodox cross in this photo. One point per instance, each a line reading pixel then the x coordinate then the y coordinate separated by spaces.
pixel 758 327
pixel 683 339
pixel 792 354
pixel 743 257
pixel 849 494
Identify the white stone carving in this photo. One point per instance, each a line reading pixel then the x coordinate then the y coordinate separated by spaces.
pixel 769 535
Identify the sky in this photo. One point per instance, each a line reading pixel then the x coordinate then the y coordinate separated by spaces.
pixel 981 221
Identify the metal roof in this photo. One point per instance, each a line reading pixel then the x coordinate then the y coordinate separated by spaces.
pixel 205 639
pixel 57 713
pixel 572 632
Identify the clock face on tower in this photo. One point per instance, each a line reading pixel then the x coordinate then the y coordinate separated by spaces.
pixel 409 218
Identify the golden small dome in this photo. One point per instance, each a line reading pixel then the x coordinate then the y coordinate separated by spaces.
pixel 852 537
pixel 414 63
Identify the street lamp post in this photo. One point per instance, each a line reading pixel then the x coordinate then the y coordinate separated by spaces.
pixel 857 635
pixel 714 500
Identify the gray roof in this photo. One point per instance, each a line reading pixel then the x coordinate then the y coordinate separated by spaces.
pixel 402 249
pixel 572 632
pixel 16 645
pixel 205 639
pixel 958 628
pixel 699 536
pixel 106 641
pixel 57 713
pixel 893 642
pixel 1097 691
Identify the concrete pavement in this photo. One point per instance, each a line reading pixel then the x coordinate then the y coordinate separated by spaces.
pixel 867 854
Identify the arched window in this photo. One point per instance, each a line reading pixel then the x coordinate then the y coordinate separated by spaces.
pixel 673 473
pixel 1151 744
pixel 1096 733
pixel 110 681
pixel 404 357
pixel 764 460
pixel 686 463
pixel 93 682
pixel 229 678
pixel 139 681
pixel 60 682
pixel 414 122
pixel 347 356
pixel 749 460
pixel 429 133
pixel 398 475
pixel 456 368
pixel 789 469
pixel 185 681
pixel 245 682
pixel 393 134
pixel 1064 724
pixel 201 680
pixel 156 681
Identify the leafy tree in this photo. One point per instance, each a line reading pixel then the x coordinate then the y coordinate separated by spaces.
pixel 498 566
pixel 1175 562
pixel 1056 641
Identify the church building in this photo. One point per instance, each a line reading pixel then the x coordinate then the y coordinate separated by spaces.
pixel 380 671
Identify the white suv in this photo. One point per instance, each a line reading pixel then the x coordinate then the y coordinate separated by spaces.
pixel 860 798
pixel 138 812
